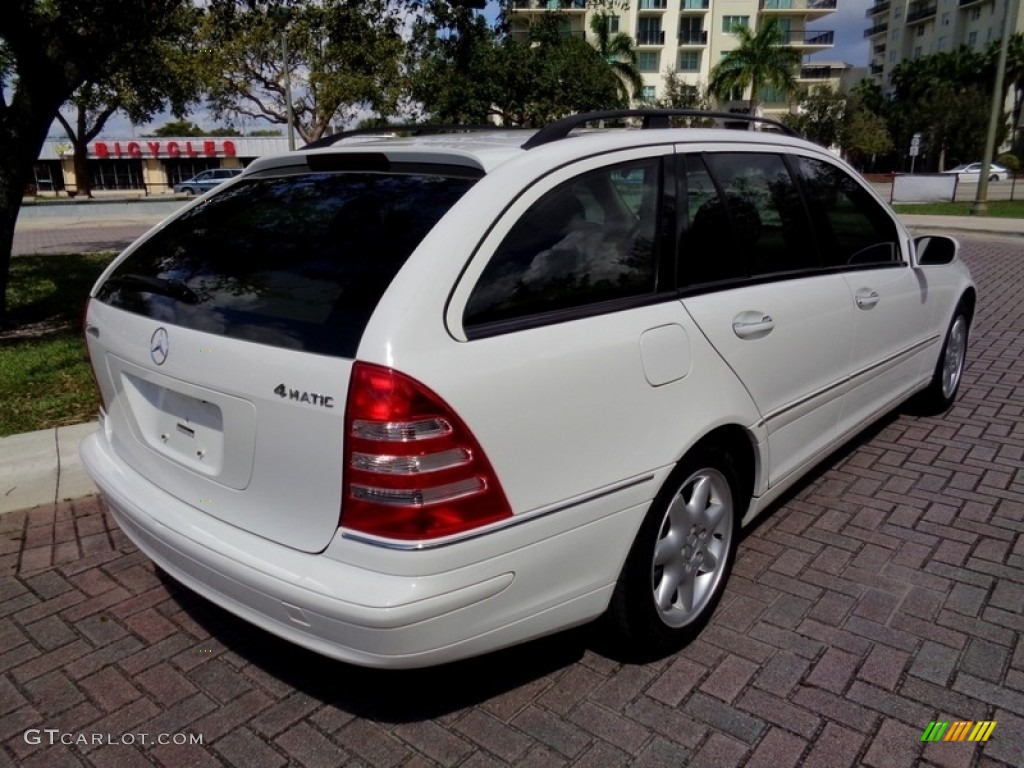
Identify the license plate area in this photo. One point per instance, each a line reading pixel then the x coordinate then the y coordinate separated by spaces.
pixel 186 429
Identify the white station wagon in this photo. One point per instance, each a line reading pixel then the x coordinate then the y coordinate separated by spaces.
pixel 420 398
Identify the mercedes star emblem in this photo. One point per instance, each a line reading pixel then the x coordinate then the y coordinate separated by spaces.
pixel 159 345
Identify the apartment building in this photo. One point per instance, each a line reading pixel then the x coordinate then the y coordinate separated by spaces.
pixel 691 36
pixel 905 29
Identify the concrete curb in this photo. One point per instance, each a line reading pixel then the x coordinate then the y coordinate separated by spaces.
pixel 43 467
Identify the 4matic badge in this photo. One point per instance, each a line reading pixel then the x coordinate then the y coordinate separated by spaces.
pixel 313 398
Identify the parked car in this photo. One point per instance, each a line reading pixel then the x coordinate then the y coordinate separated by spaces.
pixel 419 399
pixel 205 181
pixel 972 172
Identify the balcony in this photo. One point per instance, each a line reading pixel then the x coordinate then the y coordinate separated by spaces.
pixel 878 29
pixel 694 6
pixel 523 35
pixel 808 37
pixel 693 37
pixel 549 5
pixel 877 8
pixel 879 48
pixel 653 5
pixel 920 12
pixel 969 2
pixel 816 73
pixel 650 37
pixel 876 69
pixel 801 6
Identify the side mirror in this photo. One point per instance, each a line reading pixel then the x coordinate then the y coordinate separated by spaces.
pixel 935 249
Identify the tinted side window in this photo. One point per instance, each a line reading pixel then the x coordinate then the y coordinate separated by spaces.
pixel 852 227
pixel 713 244
pixel 589 240
pixel 297 261
pixel 765 211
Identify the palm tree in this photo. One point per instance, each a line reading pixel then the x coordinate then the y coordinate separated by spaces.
pixel 617 49
pixel 761 59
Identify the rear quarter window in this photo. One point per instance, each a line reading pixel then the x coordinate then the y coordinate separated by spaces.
pixel 297 261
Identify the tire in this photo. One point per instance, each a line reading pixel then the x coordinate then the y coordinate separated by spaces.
pixel 680 560
pixel 993 177
pixel 189 192
pixel 945 383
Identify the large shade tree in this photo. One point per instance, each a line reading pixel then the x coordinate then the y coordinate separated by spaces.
pixel 456 63
pixel 344 58
pixel 465 71
pixel 821 116
pixel 761 59
pixel 48 50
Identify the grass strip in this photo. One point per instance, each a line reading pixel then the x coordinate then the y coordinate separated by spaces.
pixel 1000 209
pixel 45 379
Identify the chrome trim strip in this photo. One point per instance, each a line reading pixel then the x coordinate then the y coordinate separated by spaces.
pixel 892 358
pixel 851 377
pixel 409 546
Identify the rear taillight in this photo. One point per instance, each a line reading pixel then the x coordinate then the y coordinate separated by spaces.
pixel 413 470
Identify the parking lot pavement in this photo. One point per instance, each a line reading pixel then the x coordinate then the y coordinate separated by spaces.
pixel 885 593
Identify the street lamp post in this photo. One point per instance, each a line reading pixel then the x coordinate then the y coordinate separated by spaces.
pixel 281 17
pixel 980 206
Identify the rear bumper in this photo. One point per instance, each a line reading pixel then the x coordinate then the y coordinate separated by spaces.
pixel 357 614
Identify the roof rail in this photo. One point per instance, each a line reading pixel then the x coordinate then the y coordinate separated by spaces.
pixel 652 118
pixel 418 129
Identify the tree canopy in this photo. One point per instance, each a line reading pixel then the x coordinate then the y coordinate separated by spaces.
pixel 465 71
pixel 344 56
pixel 944 97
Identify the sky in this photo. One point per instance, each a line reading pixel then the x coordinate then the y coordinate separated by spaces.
pixel 848 22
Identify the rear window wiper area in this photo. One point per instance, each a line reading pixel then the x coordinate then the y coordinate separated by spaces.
pixel 175 289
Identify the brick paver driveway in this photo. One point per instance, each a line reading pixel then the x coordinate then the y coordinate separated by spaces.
pixel 886 593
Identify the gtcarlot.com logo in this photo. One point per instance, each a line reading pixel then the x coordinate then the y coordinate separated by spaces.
pixel 55 736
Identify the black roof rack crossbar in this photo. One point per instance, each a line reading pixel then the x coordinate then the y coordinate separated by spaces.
pixel 652 118
pixel 422 129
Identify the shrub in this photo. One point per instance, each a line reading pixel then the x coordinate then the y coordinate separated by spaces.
pixel 1008 161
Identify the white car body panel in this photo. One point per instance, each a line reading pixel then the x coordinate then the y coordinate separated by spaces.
pixel 795 370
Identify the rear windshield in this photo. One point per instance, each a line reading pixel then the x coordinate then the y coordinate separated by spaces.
pixel 296 261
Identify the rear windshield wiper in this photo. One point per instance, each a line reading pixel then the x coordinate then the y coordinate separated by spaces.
pixel 172 287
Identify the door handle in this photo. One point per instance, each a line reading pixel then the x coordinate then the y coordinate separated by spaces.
pixel 866 299
pixel 752 325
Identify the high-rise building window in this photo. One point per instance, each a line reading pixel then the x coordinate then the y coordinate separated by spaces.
pixel 648 94
pixel 972 39
pixel 648 61
pixel 689 61
pixel 917 52
pixel 729 22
